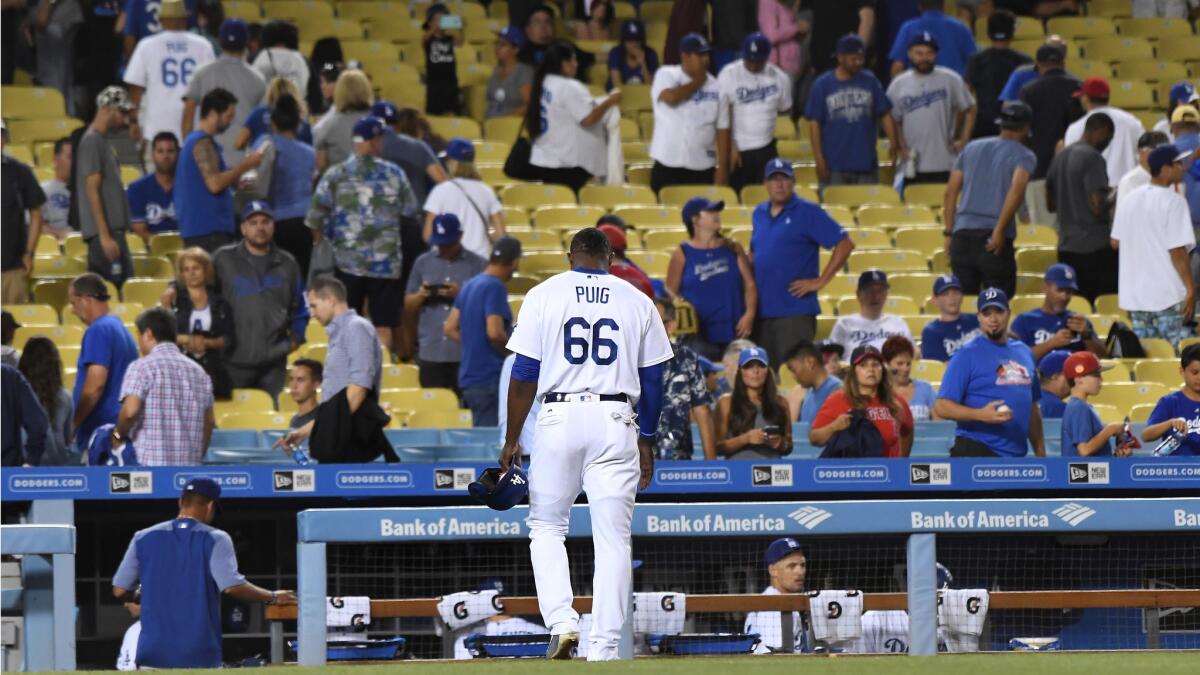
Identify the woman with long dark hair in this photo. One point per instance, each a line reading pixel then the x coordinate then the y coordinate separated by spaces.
pixel 869 389
pixel 285 180
pixel 753 422
pixel 203 319
pixel 41 364
pixel 563 121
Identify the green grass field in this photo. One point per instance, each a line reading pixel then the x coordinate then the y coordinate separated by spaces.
pixel 1062 663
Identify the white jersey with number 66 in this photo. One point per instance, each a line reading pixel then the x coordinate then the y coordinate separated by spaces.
pixel 591 333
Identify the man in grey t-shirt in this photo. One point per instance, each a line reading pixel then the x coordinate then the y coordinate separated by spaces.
pixel 230 72
pixel 934 110
pixel 1077 191
pixel 103 210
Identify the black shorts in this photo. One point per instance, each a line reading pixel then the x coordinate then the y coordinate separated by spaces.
pixel 384 298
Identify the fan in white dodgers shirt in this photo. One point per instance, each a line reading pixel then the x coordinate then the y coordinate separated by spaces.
pixel 160 69
pixel 753 93
pixel 870 326
pixel 787 565
pixel 686 99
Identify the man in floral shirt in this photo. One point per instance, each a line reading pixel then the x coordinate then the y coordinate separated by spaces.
pixel 685 393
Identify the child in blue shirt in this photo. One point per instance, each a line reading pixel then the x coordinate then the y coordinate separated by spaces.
pixel 1179 412
pixel 1083 434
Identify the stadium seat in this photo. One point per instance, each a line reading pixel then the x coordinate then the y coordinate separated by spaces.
pixel 896 304
pixel 927 239
pixel 153 268
pixel 539 240
pixel 795 149
pixel 939 262
pixel 1180 48
pixel 897 260
pixel 450 127
pixel 785 128
pixel 1158 348
pixel 1027 28
pixel 677 195
pixel 1076 27
pixel 502 129
pixel 841 285
pixel 892 216
pixel 1163 371
pixel 515 302
pixel 544 263
pixel 918 286
pixel 753 195
pixel 32 103
pixel 1103 322
pixel 533 195
pixel 1036 235
pixel 33 315
pixel 1125 395
pixel 297 9
pixel 652 263
pixel 855 196
pixel 609 196
pixel 1140 413
pixel 400 376
pixel 51 292
pixel 867 238
pixel 916 322
pixel 1153 28
pixel 1117 48
pixel 1110 8
pixel 62 335
pixel 253 399
pixel 21 153
pixel 248 11
pixel 1085 68
pixel 165 243
pixel 1151 71
pixel 520 285
pixel 664 240
pixel 57 266
pixel 825 324
pixel 1117 371
pixel 146 292
pixel 440 418
pixel 649 217
pixel 1131 94
pixel 1036 260
pixel 418 398
pixel 635 98
pixel 569 217
pixel 925 194
pixel 46 129
pixel 928 370
pixel 1109 304
pixel 492 151
pixel 1109 413
pixel 1030 282
pixel 252 420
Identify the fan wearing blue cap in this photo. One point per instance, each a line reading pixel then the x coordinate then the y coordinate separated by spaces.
pixel 686 104
pixel 933 108
pixel 359 205
pixel 952 329
pixel 787 568
pixel 955 42
pixel 632 61
pixel 479 211
pixel 507 87
pixel 1053 325
pixel 870 325
pixel 1054 386
pixel 990 389
pixel 754 93
pixel 753 422
pixel 178 570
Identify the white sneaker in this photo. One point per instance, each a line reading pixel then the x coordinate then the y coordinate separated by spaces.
pixel 563 646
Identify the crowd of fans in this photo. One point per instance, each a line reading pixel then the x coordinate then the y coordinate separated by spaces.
pixel 351 209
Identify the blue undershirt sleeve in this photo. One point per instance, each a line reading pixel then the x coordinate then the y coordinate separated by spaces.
pixel 526 369
pixel 650 404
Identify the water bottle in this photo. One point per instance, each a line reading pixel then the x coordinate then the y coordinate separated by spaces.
pixel 301 457
pixel 1168 445
pixel 910 166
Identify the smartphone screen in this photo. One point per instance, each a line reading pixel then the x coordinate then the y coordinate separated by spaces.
pixel 451 22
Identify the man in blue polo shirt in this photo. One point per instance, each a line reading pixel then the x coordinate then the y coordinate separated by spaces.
pixel 990 389
pixel 104 355
pixel 785 248
pixel 183 565
pixel 954 39
pixel 952 329
pixel 151 197
pixel 481 322
pixel 1053 326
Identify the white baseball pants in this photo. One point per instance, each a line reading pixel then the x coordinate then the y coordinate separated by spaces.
pixel 591 445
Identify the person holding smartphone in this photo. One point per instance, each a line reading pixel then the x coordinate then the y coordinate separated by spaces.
pixel 753 422
pixel 443 32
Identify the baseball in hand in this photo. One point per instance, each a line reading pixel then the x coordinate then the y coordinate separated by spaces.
pixel 1003 408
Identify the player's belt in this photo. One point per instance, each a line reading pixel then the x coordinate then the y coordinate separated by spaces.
pixel 559 397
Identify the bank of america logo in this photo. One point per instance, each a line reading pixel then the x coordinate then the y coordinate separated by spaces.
pixel 1074 514
pixel 810 516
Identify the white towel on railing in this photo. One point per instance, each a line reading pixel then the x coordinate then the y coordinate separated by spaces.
pixel 659 612
pixel 468 607
pixel 347 611
pixel 836 616
pixel 963 610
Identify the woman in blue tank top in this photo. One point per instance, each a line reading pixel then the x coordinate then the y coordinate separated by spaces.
pixel 713 273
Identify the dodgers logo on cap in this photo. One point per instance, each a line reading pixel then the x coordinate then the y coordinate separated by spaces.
pixel 779 165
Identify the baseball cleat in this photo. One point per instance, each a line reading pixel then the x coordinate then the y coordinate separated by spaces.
pixel 562 646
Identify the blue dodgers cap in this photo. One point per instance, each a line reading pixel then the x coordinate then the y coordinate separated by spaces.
pixel 386 111
pixel 233 34
pixel 756 47
pixel 946 282
pixel 1062 275
pixel 782 548
pixel 1052 362
pixel 1164 155
pixel 750 354
pixel 633 30
pixel 851 43
pixel 707 366
pixel 993 297
pixel 695 205
pixel 367 129
pixel 258 207
pixel 512 35
pixel 205 487
pixel 694 43
pixel 447 229
pixel 873 277
pixel 1182 92
pixel 460 150
pixel 500 491
pixel 923 38
pixel 779 165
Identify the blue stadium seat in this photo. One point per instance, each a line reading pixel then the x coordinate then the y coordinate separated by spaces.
pixel 489 436
pixel 931 447
pixel 469 453
pixel 416 454
pixel 235 438
pixel 246 456
pixel 398 437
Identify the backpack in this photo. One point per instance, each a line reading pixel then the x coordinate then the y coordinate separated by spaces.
pixel 1123 343
pixel 860 439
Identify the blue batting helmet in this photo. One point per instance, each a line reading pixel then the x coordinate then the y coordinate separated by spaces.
pixel 500 491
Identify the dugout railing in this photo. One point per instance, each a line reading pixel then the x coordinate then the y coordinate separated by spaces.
pixel 918 522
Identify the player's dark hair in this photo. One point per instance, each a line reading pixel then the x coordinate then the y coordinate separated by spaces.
pixel 90 284
pixel 1099 121
pixel 556 54
pixel 160 322
pixel 327 286
pixel 286 113
pixel 314 367
pixel 804 349
pixel 218 100
pixel 165 136
pixel 1190 353
pixel 60 144
pixel 193 499
pixel 591 242
pixel 666 306
pixel 742 410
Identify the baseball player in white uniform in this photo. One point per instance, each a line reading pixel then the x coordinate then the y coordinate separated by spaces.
pixel 590 347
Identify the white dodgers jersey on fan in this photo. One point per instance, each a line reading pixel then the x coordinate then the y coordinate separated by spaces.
pixel 163 65
pixel 591 333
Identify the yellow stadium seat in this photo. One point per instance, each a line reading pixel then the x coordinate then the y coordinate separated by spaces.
pixel 635 98
pixel 1036 260
pixel 260 421
pixel 502 128
pixel 1181 48
pixel 165 243
pixel 47 245
pixel 544 263
pixel 1108 413
pixel 1154 28
pixel 33 315
pixel 1027 28
pixel 927 239
pixel 939 262
pixel 737 216
pixel 492 151
pixel 892 216
pixel 370 52
pixel 923 194
pixel 520 285
pixel 469 11
pixel 1140 413
pixel 374 10
pixel 842 215
pixel 1125 395
pixel 532 195
pixel 916 322
pixel 664 240
pixel 32 103
pixel 253 399
pixel 867 238
pixel 445 418
pixel 127 312
pixel 401 376
pixel 154 268
pixel 568 217
pixel 51 292
pixel 514 215
pixel 609 196
pixel 417 398
pixel 795 149
pixel 241 9
pixel 1030 282
pixel 145 292
pixel 61 335
pixel 654 264
pixel 1027 47
pixel 297 9
pixel 539 240
pixel 1158 348
pixel 785 129
pixel 1131 94
pixel 1110 8
pixel 1109 304
pixel 58 266
pixel 915 285
pixel 1163 371
pixel 397 30
pixel 451 127
pixel 1075 27
pixel 858 195
pixel 137 245
pixel 896 260
pixel 1117 48
pixel 630 131
pixel 896 304
pixel 928 370
pixel 43 129
pixel 314 332
pixel 638 173
pixel 841 284
pixel 1103 322
pixel 1117 371
pixel 825 324
pixel 22 153
pixel 1036 235
pixel 315 351
pixel 514 305
pixel 648 217
pixel 1086 68
pixel 677 195
pixel 1152 70
pixel 634 151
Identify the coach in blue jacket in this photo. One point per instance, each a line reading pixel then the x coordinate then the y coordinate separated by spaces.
pixel 183 566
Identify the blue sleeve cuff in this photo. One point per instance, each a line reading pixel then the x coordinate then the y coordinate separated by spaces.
pixel 526 369
pixel 650 404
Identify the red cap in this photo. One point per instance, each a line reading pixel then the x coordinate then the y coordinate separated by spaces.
pixel 616 238
pixel 629 273
pixel 1082 363
pixel 1094 87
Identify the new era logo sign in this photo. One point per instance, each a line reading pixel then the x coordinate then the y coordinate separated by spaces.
pixel 1090 473
pixel 929 474
pixel 132 482
pixel 443 479
pixel 455 479
pixel 302 480
pixel 771 475
pixel 810 516
pixel 920 474
pixel 1073 514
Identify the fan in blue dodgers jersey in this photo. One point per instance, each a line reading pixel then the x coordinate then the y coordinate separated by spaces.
pixel 590 347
